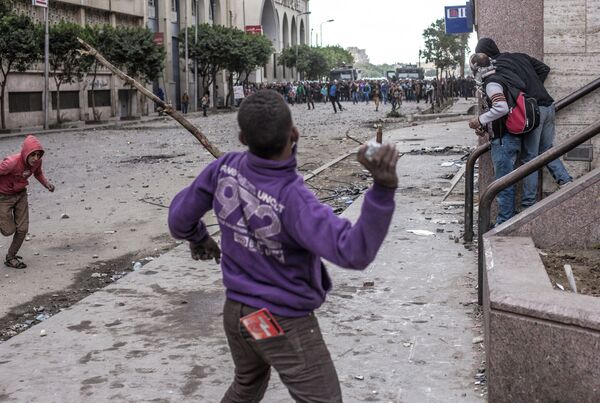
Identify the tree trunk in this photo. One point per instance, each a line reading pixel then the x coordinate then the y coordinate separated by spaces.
pixel 215 92
pixel 58 119
pixel 130 102
pixel 94 95
pixel 2 89
pixel 231 95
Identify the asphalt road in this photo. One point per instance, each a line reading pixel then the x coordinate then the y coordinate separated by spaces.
pixel 114 186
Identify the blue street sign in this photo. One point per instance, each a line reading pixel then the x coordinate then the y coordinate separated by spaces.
pixel 459 19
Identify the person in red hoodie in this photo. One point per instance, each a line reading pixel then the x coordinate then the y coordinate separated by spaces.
pixel 15 171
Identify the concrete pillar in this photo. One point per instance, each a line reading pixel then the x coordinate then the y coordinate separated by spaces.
pixel 525 17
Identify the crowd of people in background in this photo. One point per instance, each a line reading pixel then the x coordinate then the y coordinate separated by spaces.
pixel 434 91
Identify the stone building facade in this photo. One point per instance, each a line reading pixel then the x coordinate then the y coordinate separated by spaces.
pixel 565 34
pixel 285 22
pixel 23 105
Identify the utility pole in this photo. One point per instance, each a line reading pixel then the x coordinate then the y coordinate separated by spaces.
pixel 46 94
pixel 196 84
pixel 321 27
pixel 187 64
pixel 47 70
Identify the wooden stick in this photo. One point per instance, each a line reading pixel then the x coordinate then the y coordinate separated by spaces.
pixel 168 108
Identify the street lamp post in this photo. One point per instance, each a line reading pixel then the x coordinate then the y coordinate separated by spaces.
pixel 297 74
pixel 195 58
pixel 321 26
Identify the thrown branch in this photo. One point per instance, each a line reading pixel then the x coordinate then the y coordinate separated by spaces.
pixel 168 108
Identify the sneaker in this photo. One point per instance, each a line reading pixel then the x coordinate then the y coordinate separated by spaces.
pixel 562 185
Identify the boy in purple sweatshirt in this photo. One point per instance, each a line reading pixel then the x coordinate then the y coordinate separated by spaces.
pixel 274 232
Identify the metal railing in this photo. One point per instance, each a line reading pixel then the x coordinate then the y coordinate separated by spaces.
pixel 484 148
pixel 524 170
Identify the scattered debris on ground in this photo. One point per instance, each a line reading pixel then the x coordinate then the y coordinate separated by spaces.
pixel 88 280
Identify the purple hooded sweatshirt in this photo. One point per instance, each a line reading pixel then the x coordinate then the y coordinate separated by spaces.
pixel 274 231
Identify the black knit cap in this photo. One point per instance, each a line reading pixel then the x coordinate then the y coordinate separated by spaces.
pixel 487 46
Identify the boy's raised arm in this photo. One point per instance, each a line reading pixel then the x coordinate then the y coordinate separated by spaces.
pixel 319 230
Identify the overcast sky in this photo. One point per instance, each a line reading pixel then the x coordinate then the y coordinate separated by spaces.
pixel 390 30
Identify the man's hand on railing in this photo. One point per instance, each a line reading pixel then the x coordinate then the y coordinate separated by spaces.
pixel 476 125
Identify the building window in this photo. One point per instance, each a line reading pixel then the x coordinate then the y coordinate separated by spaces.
pixel 174 6
pixel 194 7
pixel 102 98
pixel 152 4
pixel 25 101
pixel 274 65
pixel 68 100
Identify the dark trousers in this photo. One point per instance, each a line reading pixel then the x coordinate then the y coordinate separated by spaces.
pixel 300 356
pixel 334 100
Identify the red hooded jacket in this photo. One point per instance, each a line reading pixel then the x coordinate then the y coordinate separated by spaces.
pixel 14 170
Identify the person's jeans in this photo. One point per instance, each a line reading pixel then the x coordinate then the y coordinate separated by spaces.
pixel 184 108
pixel 536 143
pixel 300 356
pixel 385 97
pixel 354 97
pixel 504 157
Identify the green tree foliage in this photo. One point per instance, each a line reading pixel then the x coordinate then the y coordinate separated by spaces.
pixel 133 50
pixel 337 56
pixel 64 57
pixel 259 48
pixel 315 63
pixel 20 47
pixel 5 7
pixel 222 48
pixel 247 53
pixel 102 38
pixel 444 50
pixel 210 52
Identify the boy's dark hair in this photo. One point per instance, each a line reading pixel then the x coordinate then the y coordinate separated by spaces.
pixel 265 121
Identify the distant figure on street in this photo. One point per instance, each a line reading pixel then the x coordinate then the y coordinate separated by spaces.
pixel 15 171
pixel 334 96
pixel 310 95
pixel 161 95
pixel 274 232
pixel 205 102
pixel 185 101
pixel 367 92
pixel 376 96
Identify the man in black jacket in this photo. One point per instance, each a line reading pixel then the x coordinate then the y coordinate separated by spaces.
pixel 533 73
